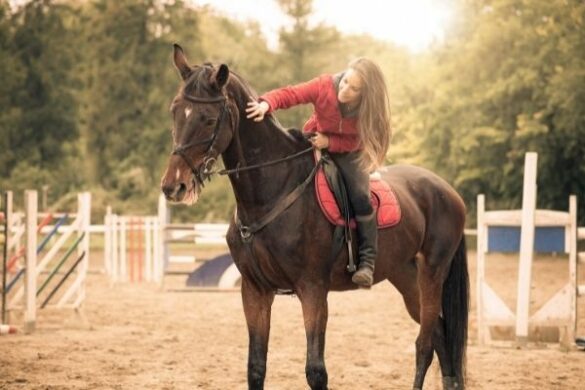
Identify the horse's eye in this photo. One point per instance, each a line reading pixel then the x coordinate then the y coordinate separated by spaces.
pixel 210 122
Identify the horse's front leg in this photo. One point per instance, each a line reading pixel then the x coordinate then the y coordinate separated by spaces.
pixel 257 308
pixel 314 302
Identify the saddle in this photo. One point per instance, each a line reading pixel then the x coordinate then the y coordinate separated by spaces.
pixel 332 197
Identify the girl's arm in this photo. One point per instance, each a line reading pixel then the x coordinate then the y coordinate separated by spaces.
pixel 293 95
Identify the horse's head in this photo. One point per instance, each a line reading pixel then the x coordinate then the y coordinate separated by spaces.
pixel 203 126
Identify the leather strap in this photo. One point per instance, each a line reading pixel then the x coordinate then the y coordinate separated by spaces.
pixel 247 231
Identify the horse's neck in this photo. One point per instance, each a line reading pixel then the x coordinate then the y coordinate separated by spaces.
pixel 257 190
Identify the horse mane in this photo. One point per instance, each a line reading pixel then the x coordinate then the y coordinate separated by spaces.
pixel 240 90
pixel 247 92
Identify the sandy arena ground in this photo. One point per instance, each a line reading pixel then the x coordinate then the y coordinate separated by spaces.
pixel 137 337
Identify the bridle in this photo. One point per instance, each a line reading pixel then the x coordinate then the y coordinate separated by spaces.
pixel 204 171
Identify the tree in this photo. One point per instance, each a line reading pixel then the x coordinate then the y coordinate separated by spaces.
pixel 38 120
pixel 302 52
pixel 507 80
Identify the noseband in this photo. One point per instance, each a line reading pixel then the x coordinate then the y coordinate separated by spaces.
pixel 204 171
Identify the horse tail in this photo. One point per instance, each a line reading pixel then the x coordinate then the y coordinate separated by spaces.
pixel 456 310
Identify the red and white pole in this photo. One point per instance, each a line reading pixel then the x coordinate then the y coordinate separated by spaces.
pixel 7 329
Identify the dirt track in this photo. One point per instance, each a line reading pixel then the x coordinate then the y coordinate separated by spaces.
pixel 141 338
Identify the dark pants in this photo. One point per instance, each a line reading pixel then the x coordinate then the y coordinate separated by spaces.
pixel 357 182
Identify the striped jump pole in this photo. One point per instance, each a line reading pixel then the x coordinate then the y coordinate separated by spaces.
pixel 140 248
pixel 60 263
pixel 7 213
pixel 135 248
pixel 53 231
pixel 21 251
pixel 39 249
pixel 63 279
pixel 131 253
pixel 130 248
pixel 7 329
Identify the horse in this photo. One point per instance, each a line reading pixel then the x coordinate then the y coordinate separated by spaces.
pixel 280 240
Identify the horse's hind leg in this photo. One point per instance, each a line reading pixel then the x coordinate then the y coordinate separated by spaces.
pixel 257 309
pixel 314 302
pixel 430 281
pixel 447 368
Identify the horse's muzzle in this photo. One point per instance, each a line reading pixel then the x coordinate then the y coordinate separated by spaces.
pixel 174 192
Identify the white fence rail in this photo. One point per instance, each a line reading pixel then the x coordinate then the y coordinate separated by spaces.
pixel 137 248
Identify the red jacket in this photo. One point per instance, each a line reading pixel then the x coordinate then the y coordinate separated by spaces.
pixel 321 92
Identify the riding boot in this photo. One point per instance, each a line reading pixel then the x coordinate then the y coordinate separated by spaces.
pixel 367 231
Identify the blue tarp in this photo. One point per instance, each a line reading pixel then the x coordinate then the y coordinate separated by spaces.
pixel 209 273
pixel 507 239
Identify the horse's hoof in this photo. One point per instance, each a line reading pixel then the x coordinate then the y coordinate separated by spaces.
pixel 450 383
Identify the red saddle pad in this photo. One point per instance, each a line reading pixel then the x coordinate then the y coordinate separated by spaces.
pixel 382 197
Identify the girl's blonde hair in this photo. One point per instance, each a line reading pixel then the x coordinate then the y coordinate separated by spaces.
pixel 374 113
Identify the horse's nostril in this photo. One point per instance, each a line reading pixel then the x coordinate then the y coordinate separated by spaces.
pixel 167 190
pixel 182 188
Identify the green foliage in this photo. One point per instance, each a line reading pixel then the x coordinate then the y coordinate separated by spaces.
pixel 508 80
pixel 302 53
pixel 38 114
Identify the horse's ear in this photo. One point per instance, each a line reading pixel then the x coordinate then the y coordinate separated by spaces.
pixel 181 62
pixel 220 76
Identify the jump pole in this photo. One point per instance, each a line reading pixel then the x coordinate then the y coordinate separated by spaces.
pixel 60 263
pixel 53 231
pixel 83 251
pixel 108 241
pixel 164 218
pixel 114 249
pixel 148 229
pixel 158 271
pixel 140 233
pixel 122 253
pixel 58 286
pixel 30 277
pixel 22 250
pixel 581 259
pixel 7 219
pixel 526 247
pixel 131 248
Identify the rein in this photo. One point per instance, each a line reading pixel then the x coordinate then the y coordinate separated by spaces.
pixel 247 231
pixel 237 170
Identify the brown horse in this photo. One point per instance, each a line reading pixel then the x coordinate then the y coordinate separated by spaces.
pixel 280 240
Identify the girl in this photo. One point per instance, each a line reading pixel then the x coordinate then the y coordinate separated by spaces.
pixel 351 119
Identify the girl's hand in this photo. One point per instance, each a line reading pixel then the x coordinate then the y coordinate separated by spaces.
pixel 320 141
pixel 257 110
